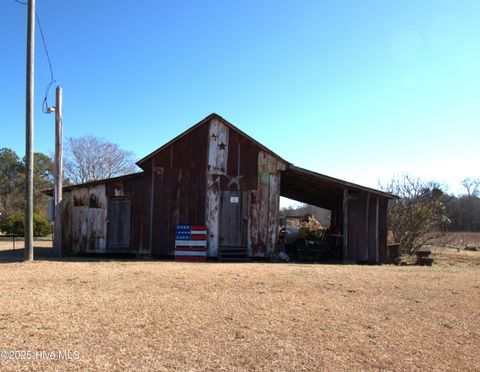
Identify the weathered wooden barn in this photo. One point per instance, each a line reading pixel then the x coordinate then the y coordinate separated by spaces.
pixel 215 175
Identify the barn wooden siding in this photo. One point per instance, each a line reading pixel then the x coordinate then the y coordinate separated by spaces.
pixel 183 183
pixel 235 163
pixel 177 178
pixel 84 213
pixel 84 216
pixel 215 175
pixel 367 227
pixel 190 175
pixel 359 214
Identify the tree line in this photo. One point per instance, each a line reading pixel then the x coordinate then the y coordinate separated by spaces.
pixel 12 181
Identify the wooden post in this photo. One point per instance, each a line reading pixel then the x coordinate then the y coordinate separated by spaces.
pixel 29 132
pixel 57 231
pixel 152 185
pixel 376 230
pixel 366 226
pixel 345 224
pixel 58 191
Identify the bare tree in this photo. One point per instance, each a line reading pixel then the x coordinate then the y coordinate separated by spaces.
pixel 472 186
pixel 89 158
pixel 418 215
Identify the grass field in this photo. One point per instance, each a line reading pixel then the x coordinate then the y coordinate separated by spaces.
pixel 250 316
pixel 458 240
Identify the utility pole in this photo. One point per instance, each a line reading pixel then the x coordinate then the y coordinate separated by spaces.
pixel 58 146
pixel 58 170
pixel 29 133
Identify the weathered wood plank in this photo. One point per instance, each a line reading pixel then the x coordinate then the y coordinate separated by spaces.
pixel 79 220
pixel 281 166
pixel 345 224
pixel 376 229
pixel 79 229
pixel 367 223
pixel 217 148
pixel 96 219
pixel 253 224
pixel 273 206
pixel 263 198
pixel 67 222
pixel 119 225
pixel 80 197
pixel 271 164
pixel 212 213
pixel 262 162
pixel 216 165
pixel 97 229
pixel 372 240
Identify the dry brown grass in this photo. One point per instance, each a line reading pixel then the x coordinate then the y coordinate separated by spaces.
pixel 455 257
pixel 249 316
pixel 7 243
pixel 459 240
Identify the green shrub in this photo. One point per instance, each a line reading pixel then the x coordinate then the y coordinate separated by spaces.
pixel 41 226
pixel 14 225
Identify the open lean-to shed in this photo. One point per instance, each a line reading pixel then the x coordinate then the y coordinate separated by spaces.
pixel 215 175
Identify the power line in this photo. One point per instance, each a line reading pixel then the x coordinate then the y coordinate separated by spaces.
pixel 52 76
pixel 52 79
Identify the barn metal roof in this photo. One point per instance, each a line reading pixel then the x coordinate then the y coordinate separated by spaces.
pixel 296 183
pixel 97 182
pixel 206 120
pixel 318 189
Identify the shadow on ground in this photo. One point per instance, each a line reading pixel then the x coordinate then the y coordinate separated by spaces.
pixel 19 254
pixel 47 254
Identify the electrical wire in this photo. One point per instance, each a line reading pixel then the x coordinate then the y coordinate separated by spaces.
pixel 52 76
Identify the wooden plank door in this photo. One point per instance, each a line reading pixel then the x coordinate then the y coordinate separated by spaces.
pixel 233 224
pixel 118 224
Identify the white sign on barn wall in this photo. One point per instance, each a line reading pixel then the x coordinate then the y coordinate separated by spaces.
pixel 233 199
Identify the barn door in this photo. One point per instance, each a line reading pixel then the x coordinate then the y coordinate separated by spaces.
pixel 118 224
pixel 233 225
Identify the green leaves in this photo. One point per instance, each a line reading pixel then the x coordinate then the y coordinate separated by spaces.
pixel 12 181
pixel 14 225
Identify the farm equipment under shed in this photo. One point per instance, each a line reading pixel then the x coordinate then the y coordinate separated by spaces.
pixel 311 240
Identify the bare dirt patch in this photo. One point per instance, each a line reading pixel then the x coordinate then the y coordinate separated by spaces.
pixel 249 316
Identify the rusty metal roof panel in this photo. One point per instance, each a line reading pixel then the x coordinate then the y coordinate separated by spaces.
pixel 97 182
pixel 329 184
pixel 203 122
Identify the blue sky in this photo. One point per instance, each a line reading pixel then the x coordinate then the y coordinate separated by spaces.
pixel 359 90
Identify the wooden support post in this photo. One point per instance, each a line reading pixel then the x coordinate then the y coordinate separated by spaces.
pixel 366 226
pixel 345 224
pixel 57 231
pixel 29 132
pixel 376 230
pixel 152 186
